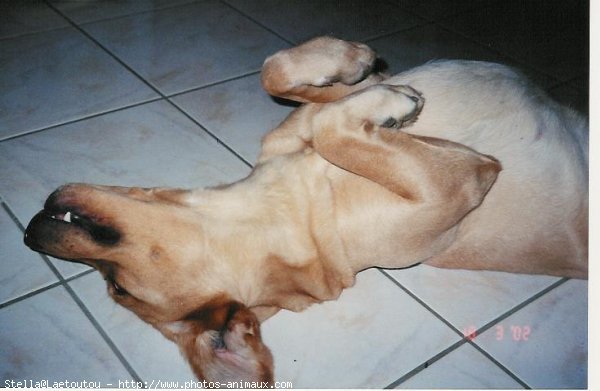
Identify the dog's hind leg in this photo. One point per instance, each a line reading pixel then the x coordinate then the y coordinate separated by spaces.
pixel 321 70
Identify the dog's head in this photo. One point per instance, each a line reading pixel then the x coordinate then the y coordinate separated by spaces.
pixel 151 248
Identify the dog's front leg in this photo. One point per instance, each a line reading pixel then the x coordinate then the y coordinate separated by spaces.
pixel 323 69
pixel 360 134
pixel 223 344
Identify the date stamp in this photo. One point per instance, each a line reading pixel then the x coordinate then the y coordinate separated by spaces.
pixel 513 332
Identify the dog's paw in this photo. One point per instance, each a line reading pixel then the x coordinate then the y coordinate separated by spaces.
pixel 407 103
pixel 338 61
pixel 241 334
pixel 388 106
pixel 239 349
pixel 319 62
pixel 222 342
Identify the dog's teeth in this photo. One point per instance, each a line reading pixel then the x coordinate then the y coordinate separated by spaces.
pixel 67 217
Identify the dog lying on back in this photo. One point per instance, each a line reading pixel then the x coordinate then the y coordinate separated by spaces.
pixel 456 164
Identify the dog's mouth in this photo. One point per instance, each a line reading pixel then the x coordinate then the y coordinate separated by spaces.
pixel 51 228
pixel 68 216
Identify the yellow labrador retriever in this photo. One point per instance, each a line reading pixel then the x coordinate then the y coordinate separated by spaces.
pixel 456 164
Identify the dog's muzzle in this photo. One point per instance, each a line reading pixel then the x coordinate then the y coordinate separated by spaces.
pixel 58 220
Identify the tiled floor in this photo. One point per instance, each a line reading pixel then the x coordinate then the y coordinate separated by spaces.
pixel 166 93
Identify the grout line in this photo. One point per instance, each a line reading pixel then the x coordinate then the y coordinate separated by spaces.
pixel 21 227
pixel 80 274
pixel 443 353
pixel 107 51
pixel 25 34
pixel 420 22
pixel 45 288
pixel 129 106
pixel 134 13
pixel 74 121
pixel 212 84
pixel 150 85
pixel 12 216
pixel 415 297
pixel 62 281
pixel 426 364
pixel 53 269
pixel 469 339
pixel 500 365
pixel 73 24
pixel 439 355
pixel 65 19
pixel 30 294
pixel 211 134
pixel 404 30
pixel 29 33
pixel 521 305
pixel 15 219
pixel 259 24
pixel 103 334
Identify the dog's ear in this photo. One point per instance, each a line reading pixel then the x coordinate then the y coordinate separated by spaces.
pixel 222 343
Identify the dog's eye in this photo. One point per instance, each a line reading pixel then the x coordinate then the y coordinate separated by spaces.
pixel 118 289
